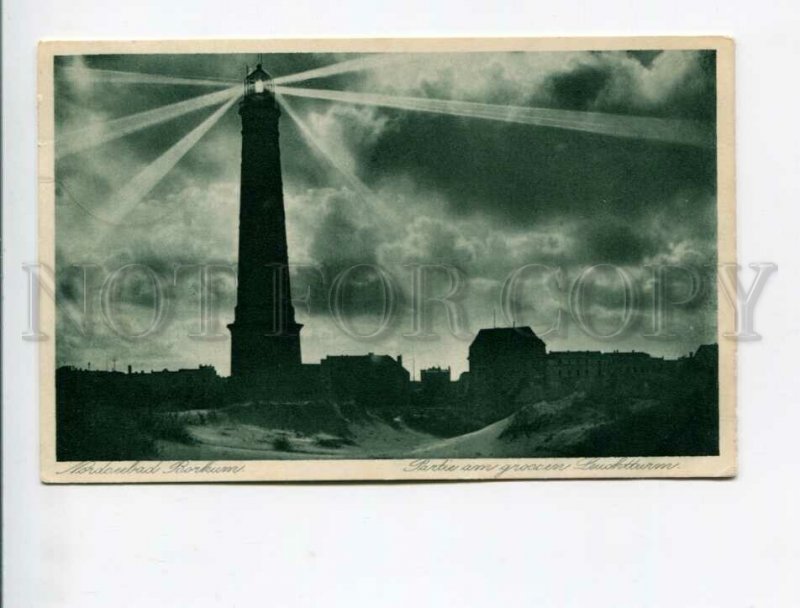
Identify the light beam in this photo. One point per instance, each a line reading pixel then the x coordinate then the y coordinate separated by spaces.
pixel 356 184
pixel 343 67
pixel 117 76
pixel 135 190
pixel 685 132
pixel 371 201
pixel 100 133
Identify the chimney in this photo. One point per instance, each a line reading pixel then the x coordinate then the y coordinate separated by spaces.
pixel 129 369
pixel 400 360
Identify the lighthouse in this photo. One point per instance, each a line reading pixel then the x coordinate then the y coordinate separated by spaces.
pixel 265 339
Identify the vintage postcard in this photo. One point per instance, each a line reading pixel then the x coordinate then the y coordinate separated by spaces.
pixel 408 259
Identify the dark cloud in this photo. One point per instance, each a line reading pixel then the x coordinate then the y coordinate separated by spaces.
pixel 485 197
pixel 527 175
pixel 341 238
pixel 615 243
pixel 646 58
pixel 577 89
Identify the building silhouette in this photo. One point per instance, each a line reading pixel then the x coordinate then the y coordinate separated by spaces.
pixel 506 366
pixel 182 388
pixel 376 381
pixel 567 369
pixel 265 338
pixel 501 361
pixel 435 379
pixel 707 355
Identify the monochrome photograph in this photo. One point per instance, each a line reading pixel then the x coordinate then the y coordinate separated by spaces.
pixel 385 261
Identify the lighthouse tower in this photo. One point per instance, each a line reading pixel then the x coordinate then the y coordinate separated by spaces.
pixel 265 339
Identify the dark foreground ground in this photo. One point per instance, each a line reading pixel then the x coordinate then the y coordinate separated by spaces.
pixel 657 416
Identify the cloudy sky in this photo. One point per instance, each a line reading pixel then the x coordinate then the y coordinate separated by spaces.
pixel 483 197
